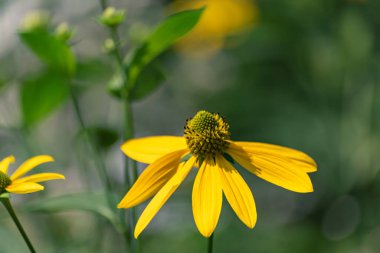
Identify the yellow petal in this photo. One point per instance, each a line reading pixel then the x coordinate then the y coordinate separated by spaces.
pixel 24 188
pixel 163 195
pixel 149 149
pixel 40 177
pixel 152 179
pixel 237 193
pixel 4 164
pixel 300 159
pixel 30 164
pixel 285 175
pixel 207 198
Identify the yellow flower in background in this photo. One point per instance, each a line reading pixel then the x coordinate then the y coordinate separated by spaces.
pixel 206 144
pixel 221 19
pixel 28 184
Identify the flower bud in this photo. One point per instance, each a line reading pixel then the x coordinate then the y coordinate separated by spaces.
pixel 63 32
pixel 109 46
pixel 112 17
pixel 35 20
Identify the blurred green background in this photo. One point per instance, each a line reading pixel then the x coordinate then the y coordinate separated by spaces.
pixel 306 74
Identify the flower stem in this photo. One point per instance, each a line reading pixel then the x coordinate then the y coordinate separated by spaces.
pixel 210 241
pixel 100 165
pixel 102 171
pixel 130 178
pixel 128 132
pixel 8 206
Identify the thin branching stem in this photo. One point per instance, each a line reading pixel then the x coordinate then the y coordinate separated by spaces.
pixel 128 132
pixel 100 165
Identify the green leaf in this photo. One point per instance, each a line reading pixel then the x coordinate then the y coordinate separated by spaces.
pixel 150 78
pixel 84 201
pixel 104 137
pixel 92 72
pixel 165 35
pixel 50 50
pixel 41 95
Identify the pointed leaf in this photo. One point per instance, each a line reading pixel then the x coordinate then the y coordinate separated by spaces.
pixel 167 33
pixel 149 80
pixel 50 50
pixel 41 95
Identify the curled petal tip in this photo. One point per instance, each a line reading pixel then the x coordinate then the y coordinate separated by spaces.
pixel 47 158
pixel 60 176
pixel 11 158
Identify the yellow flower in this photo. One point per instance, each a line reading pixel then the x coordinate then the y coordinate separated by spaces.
pixel 28 184
pixel 220 19
pixel 206 144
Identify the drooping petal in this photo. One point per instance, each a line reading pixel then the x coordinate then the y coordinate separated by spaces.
pixel 152 179
pixel 280 153
pixel 207 198
pixel 286 175
pixel 163 195
pixel 30 164
pixel 149 149
pixel 237 193
pixel 4 164
pixel 24 188
pixel 40 177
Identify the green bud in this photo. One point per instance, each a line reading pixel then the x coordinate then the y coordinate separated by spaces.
pixel 63 32
pixel 35 20
pixel 116 85
pixel 109 46
pixel 112 17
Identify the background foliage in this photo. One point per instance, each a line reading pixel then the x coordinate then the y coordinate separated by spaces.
pixel 306 75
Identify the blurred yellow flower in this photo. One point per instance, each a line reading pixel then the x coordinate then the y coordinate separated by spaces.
pixel 221 18
pixel 28 184
pixel 206 144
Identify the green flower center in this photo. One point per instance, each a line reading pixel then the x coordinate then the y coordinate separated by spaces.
pixel 206 135
pixel 4 182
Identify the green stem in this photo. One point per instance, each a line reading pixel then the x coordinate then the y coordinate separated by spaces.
pixel 128 129
pixel 12 213
pixel 100 165
pixel 102 171
pixel 210 241
pixel 130 175
pixel 117 53
pixel 103 4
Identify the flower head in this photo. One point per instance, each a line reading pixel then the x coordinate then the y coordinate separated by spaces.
pixel 206 145
pixel 206 135
pixel 15 183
